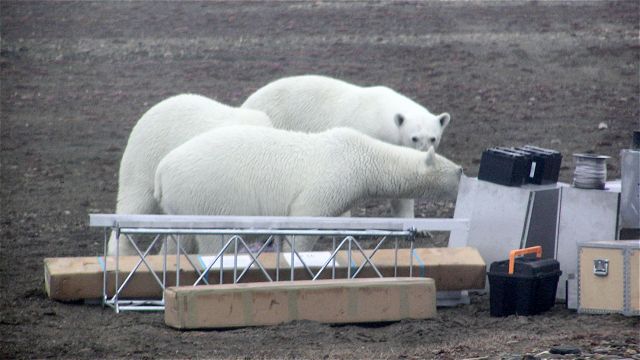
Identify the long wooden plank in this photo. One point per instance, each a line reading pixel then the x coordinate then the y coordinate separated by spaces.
pixel 79 278
pixel 327 301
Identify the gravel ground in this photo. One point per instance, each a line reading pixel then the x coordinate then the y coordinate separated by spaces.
pixel 76 76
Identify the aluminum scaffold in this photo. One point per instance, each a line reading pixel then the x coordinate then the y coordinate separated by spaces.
pixel 343 232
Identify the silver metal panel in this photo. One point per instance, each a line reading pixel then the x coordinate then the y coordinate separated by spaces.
pixel 498 215
pixel 274 222
pixel 630 197
pixel 572 293
pixel 452 298
pixel 463 209
pixel 614 244
pixel 585 215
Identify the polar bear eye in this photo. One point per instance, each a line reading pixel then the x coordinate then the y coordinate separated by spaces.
pixel 415 139
pixel 399 119
pixel 433 140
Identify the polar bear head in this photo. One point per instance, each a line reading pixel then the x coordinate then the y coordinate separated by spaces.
pixel 443 177
pixel 414 126
pixel 420 130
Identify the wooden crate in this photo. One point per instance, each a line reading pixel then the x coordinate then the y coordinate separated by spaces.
pixel 608 277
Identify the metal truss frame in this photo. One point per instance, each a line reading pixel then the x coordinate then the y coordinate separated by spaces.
pixel 278 230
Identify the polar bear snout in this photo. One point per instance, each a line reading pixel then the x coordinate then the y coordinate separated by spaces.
pixel 447 176
pixel 451 191
pixel 457 174
pixel 431 141
pixel 423 142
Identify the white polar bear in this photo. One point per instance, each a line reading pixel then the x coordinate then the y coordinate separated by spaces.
pixel 315 103
pixel 161 129
pixel 243 170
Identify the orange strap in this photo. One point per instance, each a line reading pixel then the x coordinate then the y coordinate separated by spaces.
pixel 520 252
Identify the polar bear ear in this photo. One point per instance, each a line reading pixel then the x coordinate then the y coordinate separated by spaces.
pixel 431 156
pixel 444 119
pixel 399 119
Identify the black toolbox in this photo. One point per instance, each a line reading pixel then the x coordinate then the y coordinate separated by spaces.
pixel 529 290
pixel 545 164
pixel 504 166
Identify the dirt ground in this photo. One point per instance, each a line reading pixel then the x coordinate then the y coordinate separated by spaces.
pixel 76 76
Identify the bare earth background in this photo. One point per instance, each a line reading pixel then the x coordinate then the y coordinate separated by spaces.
pixel 76 76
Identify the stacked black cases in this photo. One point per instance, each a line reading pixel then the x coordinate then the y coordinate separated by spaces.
pixel 530 290
pixel 503 166
pixel 516 166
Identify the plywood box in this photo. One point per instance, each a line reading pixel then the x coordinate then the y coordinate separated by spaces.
pixel 327 301
pixel 608 277
pixel 79 278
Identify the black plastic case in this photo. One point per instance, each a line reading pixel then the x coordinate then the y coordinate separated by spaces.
pixel 545 165
pixel 530 290
pixel 503 166
pixel 516 166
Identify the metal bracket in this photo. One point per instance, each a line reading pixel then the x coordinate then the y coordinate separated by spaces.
pixel 413 232
pixel 601 267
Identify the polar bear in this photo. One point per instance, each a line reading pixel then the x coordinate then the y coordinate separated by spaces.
pixel 315 103
pixel 162 128
pixel 242 170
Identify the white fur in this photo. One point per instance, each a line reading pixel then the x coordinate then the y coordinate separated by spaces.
pixel 243 170
pixel 315 103
pixel 161 129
